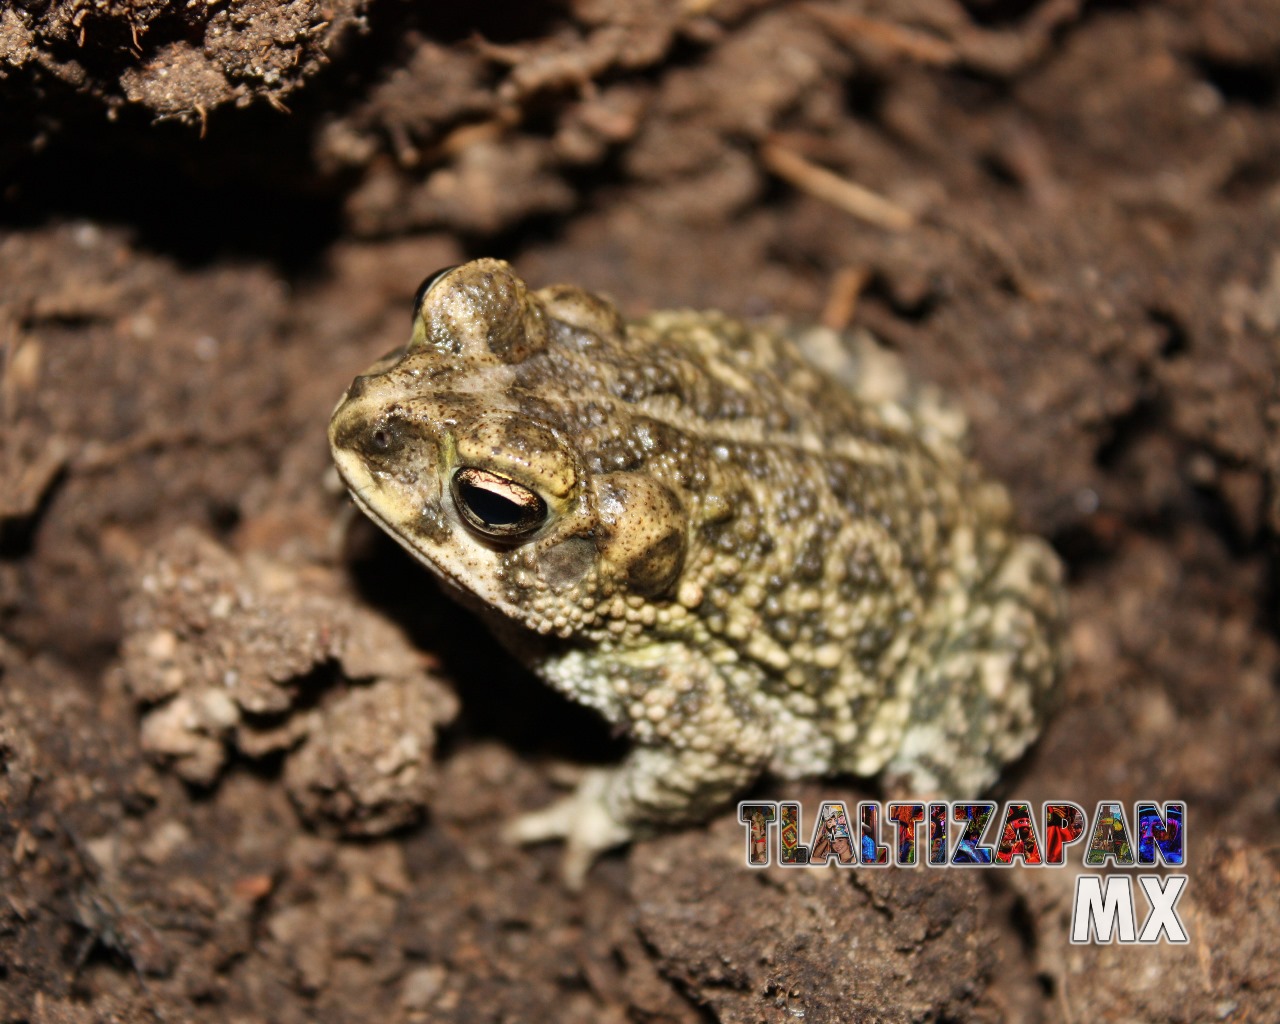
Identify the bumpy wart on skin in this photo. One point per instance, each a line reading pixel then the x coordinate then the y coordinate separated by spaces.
pixel 743 560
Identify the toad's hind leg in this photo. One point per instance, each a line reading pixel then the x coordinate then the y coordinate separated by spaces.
pixel 987 679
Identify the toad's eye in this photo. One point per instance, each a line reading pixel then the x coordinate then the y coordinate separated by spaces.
pixel 497 507
pixel 426 286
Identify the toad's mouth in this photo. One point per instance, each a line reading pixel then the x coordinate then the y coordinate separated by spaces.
pixel 464 591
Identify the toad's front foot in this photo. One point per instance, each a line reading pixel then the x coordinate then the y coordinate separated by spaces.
pixel 584 821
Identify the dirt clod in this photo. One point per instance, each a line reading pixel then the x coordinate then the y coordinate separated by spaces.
pixel 261 657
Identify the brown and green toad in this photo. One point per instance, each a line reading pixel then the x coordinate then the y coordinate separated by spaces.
pixel 744 562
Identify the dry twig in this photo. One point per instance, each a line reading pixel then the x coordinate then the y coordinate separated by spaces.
pixel 840 192
pixel 842 299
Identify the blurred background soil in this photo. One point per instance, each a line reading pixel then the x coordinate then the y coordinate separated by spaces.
pixel 253 764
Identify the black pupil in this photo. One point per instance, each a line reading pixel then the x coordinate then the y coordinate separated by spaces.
pixel 493 508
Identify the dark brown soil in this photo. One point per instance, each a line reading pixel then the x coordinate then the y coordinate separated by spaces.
pixel 253 763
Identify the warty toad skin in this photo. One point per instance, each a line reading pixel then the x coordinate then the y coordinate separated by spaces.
pixel 744 562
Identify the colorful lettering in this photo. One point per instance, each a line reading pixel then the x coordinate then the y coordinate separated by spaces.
pixel 969 849
pixel 1157 833
pixel 938 835
pixel 1064 824
pixel 758 817
pixel 1110 837
pixel 1018 836
pixel 790 852
pixel 905 817
pixel 874 852
pixel 832 836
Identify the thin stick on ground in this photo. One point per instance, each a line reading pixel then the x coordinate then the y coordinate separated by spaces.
pixel 840 192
